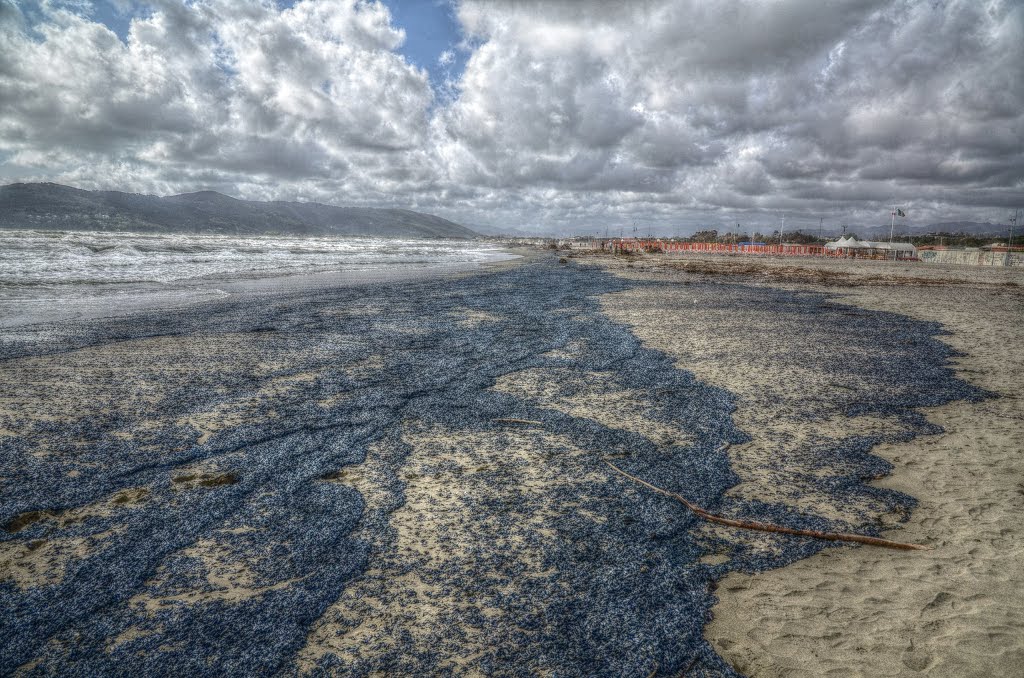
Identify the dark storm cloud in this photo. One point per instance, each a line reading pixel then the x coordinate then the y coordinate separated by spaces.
pixel 567 113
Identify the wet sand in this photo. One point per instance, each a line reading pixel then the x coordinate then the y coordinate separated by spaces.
pixel 957 610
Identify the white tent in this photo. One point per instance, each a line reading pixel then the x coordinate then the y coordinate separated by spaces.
pixel 845 243
pixel 852 246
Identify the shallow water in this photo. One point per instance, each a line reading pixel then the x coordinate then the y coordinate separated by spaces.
pixel 51 275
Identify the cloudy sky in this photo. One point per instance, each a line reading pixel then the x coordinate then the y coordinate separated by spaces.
pixel 556 116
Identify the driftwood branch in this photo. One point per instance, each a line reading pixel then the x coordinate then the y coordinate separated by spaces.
pixel 509 420
pixel 767 527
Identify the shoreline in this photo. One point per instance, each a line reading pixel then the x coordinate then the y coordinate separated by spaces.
pixel 41 326
pixel 95 297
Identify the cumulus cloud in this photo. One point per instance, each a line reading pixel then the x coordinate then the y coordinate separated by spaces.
pixel 566 116
pixel 243 92
pixel 799 106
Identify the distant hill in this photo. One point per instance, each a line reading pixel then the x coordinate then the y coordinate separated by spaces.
pixel 53 206
pixel 979 228
pixel 972 227
pixel 508 232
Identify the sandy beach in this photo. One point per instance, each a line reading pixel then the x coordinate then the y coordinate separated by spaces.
pixel 953 610
pixel 533 339
pixel 410 476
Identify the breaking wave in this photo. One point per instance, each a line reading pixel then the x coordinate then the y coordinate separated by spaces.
pixel 46 267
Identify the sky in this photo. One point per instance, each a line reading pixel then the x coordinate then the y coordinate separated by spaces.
pixel 539 117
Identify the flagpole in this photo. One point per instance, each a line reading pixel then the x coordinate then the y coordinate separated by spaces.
pixel 892 226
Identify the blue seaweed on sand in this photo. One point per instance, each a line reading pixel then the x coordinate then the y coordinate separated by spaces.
pixel 624 595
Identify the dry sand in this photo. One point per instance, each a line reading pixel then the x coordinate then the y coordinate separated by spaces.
pixel 957 610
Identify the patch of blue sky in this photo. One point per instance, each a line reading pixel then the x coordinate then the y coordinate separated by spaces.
pixel 432 38
pixel 114 14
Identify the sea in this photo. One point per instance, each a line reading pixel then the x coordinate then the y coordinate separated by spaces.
pixel 48 276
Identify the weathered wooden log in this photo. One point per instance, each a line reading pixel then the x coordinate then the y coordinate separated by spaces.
pixel 767 527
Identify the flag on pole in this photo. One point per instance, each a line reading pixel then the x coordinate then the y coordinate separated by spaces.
pixel 900 213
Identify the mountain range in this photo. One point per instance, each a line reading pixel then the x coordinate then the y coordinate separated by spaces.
pixel 977 228
pixel 53 206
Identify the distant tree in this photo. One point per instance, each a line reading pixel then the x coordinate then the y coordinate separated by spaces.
pixel 704 236
pixel 953 239
pixel 801 238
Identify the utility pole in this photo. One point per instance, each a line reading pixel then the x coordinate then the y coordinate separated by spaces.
pixel 1009 243
pixel 782 229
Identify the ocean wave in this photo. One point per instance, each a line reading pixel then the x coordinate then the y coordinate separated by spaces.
pixel 77 263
